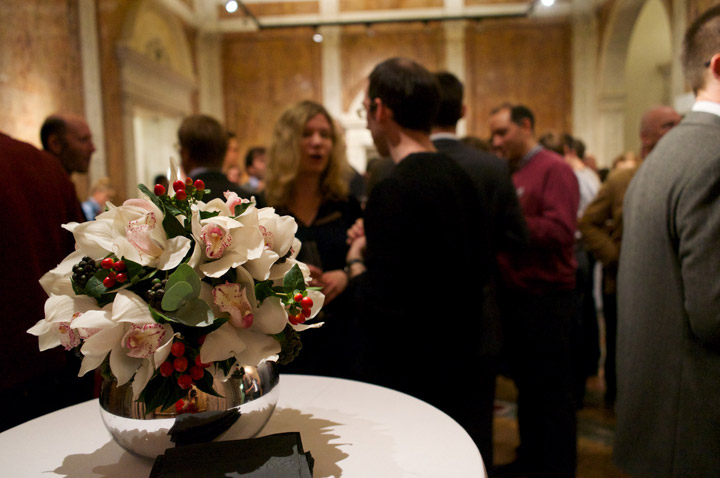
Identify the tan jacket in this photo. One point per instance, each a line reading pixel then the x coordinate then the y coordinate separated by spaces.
pixel 602 223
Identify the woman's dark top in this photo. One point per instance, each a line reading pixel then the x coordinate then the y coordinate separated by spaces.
pixel 324 244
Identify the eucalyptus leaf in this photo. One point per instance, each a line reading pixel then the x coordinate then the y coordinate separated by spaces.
pixel 185 273
pixel 194 313
pixel 176 296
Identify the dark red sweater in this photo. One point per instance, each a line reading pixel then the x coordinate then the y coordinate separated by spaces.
pixel 549 196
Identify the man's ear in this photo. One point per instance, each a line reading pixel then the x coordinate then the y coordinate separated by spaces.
pixel 55 144
pixel 463 111
pixel 382 111
pixel 715 65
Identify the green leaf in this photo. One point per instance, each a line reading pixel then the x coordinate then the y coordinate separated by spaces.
pixel 172 226
pixel 294 280
pixel 176 296
pixel 241 208
pixel 156 200
pixel 205 384
pixel 185 273
pixel 263 290
pixel 208 214
pixel 194 313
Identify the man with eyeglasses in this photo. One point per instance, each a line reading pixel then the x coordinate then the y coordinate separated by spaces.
pixel 420 269
pixel 668 361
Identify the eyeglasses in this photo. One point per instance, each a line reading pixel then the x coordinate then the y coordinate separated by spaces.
pixel 363 111
pixel 707 63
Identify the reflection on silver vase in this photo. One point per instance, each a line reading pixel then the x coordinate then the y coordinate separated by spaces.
pixel 243 410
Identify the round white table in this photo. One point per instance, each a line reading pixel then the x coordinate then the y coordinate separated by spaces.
pixel 352 429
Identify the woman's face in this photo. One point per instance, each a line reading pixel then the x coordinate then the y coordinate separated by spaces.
pixel 315 145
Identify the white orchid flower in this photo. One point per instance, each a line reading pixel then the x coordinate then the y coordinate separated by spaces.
pixel 62 324
pixel 279 235
pixel 57 281
pixel 223 243
pixel 136 343
pixel 134 231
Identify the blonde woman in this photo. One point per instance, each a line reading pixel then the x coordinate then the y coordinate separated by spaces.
pixel 307 178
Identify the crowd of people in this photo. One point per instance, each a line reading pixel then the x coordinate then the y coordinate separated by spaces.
pixel 457 259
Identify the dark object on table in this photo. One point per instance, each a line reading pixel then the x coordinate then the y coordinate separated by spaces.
pixel 202 427
pixel 273 456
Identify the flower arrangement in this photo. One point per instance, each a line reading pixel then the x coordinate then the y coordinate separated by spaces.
pixel 168 292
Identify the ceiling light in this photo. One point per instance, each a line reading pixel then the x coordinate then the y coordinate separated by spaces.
pixel 317 37
pixel 547 3
pixel 231 6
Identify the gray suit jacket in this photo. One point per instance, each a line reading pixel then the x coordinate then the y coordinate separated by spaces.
pixel 668 353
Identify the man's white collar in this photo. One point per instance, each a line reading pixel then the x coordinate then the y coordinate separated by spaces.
pixel 707 107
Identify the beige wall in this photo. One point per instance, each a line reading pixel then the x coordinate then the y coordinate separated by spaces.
pixel 41 68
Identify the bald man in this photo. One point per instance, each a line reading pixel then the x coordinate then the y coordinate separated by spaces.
pixel 654 124
pixel 601 228
pixel 68 138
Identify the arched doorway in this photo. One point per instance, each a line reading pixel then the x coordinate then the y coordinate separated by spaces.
pixel 158 83
pixel 634 73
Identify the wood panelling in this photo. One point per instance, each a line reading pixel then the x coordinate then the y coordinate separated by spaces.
pixel 40 65
pixel 263 74
pixel 362 50
pixel 695 8
pixel 358 5
pixel 520 62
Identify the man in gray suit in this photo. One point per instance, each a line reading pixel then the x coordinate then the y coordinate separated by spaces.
pixel 668 361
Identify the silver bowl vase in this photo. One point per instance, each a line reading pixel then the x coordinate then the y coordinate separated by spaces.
pixel 243 410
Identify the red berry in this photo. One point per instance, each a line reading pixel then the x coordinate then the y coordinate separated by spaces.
pixel 306 303
pixel 185 381
pixel 298 297
pixel 199 184
pixel 199 363
pixel 201 339
pixel 197 372
pixel 109 281
pixel 181 195
pixel 167 368
pixel 121 277
pixel 119 265
pixel 306 312
pixel 179 405
pixel 188 181
pixel 297 319
pixel 180 364
pixel 177 349
pixel 107 263
pixel 179 186
pixel 160 190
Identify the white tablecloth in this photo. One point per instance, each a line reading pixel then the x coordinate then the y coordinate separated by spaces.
pixel 352 429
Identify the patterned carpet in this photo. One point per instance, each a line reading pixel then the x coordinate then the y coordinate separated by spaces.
pixel 596 427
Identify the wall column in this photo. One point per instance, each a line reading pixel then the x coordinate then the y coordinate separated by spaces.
pixel 92 89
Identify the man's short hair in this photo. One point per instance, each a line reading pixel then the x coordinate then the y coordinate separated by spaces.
pixel 53 125
pixel 252 154
pixel 204 138
pixel 451 99
pixel 517 113
pixel 409 90
pixel 701 42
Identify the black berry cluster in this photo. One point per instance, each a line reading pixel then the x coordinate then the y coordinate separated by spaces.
pixel 155 294
pixel 83 271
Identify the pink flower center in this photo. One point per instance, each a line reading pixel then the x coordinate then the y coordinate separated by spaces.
pixel 232 298
pixel 143 340
pixel 216 240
